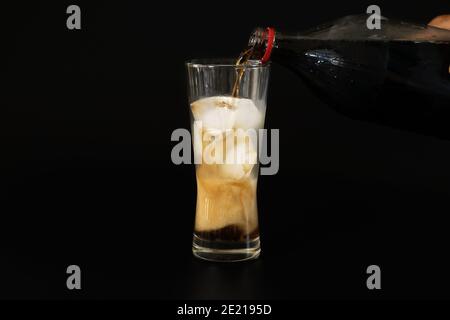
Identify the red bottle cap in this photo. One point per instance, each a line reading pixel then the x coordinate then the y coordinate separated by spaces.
pixel 270 36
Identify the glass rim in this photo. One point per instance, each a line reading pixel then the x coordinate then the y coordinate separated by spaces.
pixel 222 63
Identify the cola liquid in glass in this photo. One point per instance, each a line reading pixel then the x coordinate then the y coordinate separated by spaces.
pixel 397 75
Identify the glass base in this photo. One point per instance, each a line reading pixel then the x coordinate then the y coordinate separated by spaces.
pixel 225 252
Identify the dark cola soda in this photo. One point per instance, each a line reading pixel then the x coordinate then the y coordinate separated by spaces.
pixel 397 75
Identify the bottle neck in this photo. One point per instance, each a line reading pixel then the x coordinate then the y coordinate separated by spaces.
pixel 262 41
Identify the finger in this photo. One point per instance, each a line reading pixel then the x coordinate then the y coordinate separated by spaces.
pixel 442 21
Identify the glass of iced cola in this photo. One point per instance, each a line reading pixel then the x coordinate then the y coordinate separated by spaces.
pixel 227 105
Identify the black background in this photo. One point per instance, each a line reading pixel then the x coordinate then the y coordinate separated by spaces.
pixel 86 176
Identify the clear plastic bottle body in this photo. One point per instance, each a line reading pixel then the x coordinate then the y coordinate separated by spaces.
pixel 396 76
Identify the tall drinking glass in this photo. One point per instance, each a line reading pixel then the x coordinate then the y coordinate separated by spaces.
pixel 227 104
